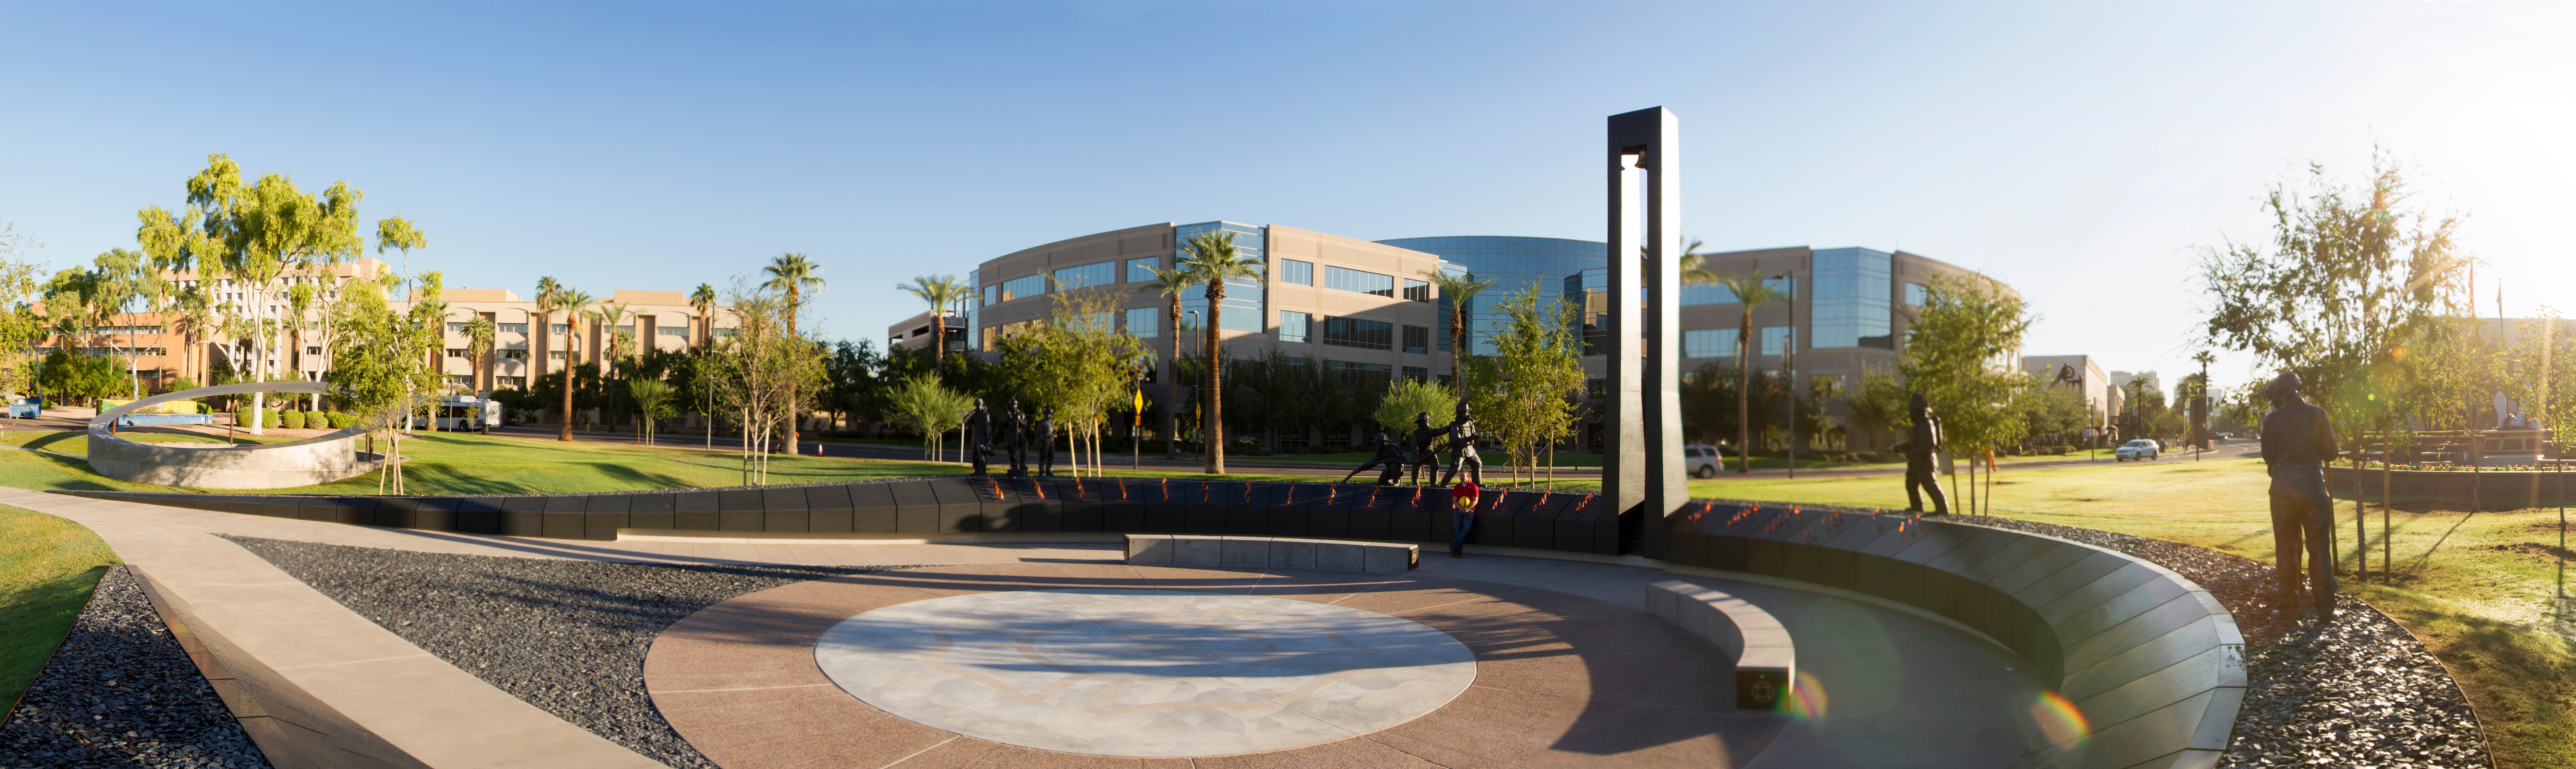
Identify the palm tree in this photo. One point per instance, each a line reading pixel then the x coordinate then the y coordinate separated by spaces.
pixel 942 292
pixel 547 289
pixel 569 301
pixel 478 341
pixel 704 301
pixel 1750 291
pixel 1213 258
pixel 607 318
pixel 1457 289
pixel 437 313
pixel 792 272
pixel 1170 283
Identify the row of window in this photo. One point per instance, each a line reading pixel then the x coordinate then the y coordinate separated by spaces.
pixel 1720 342
pixel 1291 271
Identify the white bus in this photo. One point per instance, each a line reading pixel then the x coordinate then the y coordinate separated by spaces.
pixel 466 413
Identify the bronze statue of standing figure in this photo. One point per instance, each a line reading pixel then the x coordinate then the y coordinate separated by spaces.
pixel 1015 439
pixel 1920 447
pixel 979 436
pixel 1045 440
pixel 1462 448
pixel 2298 440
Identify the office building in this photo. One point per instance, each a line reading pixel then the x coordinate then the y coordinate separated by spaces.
pixel 2082 372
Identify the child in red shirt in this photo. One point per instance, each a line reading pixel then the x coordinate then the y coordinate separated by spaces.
pixel 1462 500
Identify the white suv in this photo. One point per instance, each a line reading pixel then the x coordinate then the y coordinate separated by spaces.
pixel 2141 449
pixel 1702 460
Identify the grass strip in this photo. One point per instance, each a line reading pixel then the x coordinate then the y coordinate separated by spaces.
pixel 48 566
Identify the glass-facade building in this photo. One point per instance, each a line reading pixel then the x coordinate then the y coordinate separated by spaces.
pixel 1516 264
pixel 1850 295
pixel 1243 297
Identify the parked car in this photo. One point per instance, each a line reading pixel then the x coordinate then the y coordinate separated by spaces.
pixel 1702 460
pixel 2141 449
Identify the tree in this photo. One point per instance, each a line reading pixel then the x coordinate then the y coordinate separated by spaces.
pixel 479 334
pixel 380 371
pixel 703 300
pixel 792 273
pixel 1879 407
pixel 2052 414
pixel 548 291
pixel 942 292
pixel 570 302
pixel 1750 291
pixel 1073 360
pixel 2351 274
pixel 652 402
pixel 930 407
pixel 854 381
pixel 758 372
pixel 1409 398
pixel 1955 355
pixel 1538 363
pixel 1170 283
pixel 1456 290
pixel 1212 257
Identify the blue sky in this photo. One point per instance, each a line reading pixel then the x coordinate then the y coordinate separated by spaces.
pixel 2076 150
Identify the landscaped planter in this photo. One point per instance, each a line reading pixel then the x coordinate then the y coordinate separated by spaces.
pixel 2493 489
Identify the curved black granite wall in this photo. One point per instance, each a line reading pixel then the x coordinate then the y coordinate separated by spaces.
pixel 965 504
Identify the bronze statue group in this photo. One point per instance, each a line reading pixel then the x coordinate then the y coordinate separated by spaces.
pixel 1421 451
pixel 1017 435
pixel 2298 440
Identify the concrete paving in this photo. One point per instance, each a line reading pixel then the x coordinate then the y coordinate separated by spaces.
pixel 1881 687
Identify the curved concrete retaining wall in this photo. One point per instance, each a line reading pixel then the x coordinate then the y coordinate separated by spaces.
pixel 2494 489
pixel 1282 552
pixel 1766 662
pixel 2152 660
pixel 961 504
pixel 320 459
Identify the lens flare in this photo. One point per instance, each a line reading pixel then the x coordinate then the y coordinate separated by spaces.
pixel 1806 698
pixel 2059 719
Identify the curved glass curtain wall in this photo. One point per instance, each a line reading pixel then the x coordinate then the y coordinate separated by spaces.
pixel 1516 264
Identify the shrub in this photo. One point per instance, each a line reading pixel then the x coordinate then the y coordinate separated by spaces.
pixel 247 416
pixel 316 420
pixel 291 419
pixel 341 421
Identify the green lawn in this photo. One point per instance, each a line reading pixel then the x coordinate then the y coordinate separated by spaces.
pixel 2480 589
pixel 47 568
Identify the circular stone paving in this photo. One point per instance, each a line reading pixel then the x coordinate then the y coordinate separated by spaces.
pixel 1144 673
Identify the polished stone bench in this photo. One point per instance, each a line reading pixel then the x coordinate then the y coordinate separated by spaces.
pixel 1282 552
pixel 1765 660
pixel 2152 661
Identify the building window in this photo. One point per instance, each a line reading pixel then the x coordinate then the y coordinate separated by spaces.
pixel 1417 339
pixel 554 355
pixel 1916 294
pixel 1145 322
pixel 1032 285
pixel 1416 291
pixel 721 332
pixel 454 327
pixel 511 328
pixel 312 349
pixel 992 294
pixel 1358 282
pixel 1142 270
pixel 1357 332
pixel 514 355
pixel 1776 339
pixel 1709 343
pixel 563 328
pixel 1101 274
pixel 1352 371
pixel 455 352
pixel 626 330
pixel 510 381
pixel 1849 297
pixel 1695 294
pixel 1293 271
pixel 461 380
pixel 1293 327
pixel 678 331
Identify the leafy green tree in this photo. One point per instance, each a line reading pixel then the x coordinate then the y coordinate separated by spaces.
pixel 1879 407
pixel 257 232
pixel 380 372
pixel 1750 291
pixel 1075 361
pixel 940 292
pixel 924 404
pixel 1956 355
pixel 77 378
pixel 2053 415
pixel 854 383
pixel 1213 258
pixel 1539 359
pixel 2351 274
pixel 1408 398
pixel 793 274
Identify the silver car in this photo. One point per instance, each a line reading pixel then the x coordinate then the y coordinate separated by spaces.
pixel 2141 449
pixel 1702 460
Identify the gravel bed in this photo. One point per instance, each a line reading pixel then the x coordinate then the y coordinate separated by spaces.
pixel 566 636
pixel 120 692
pixel 2357 691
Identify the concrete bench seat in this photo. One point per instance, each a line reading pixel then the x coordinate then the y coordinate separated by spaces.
pixel 1283 552
pixel 1765 660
